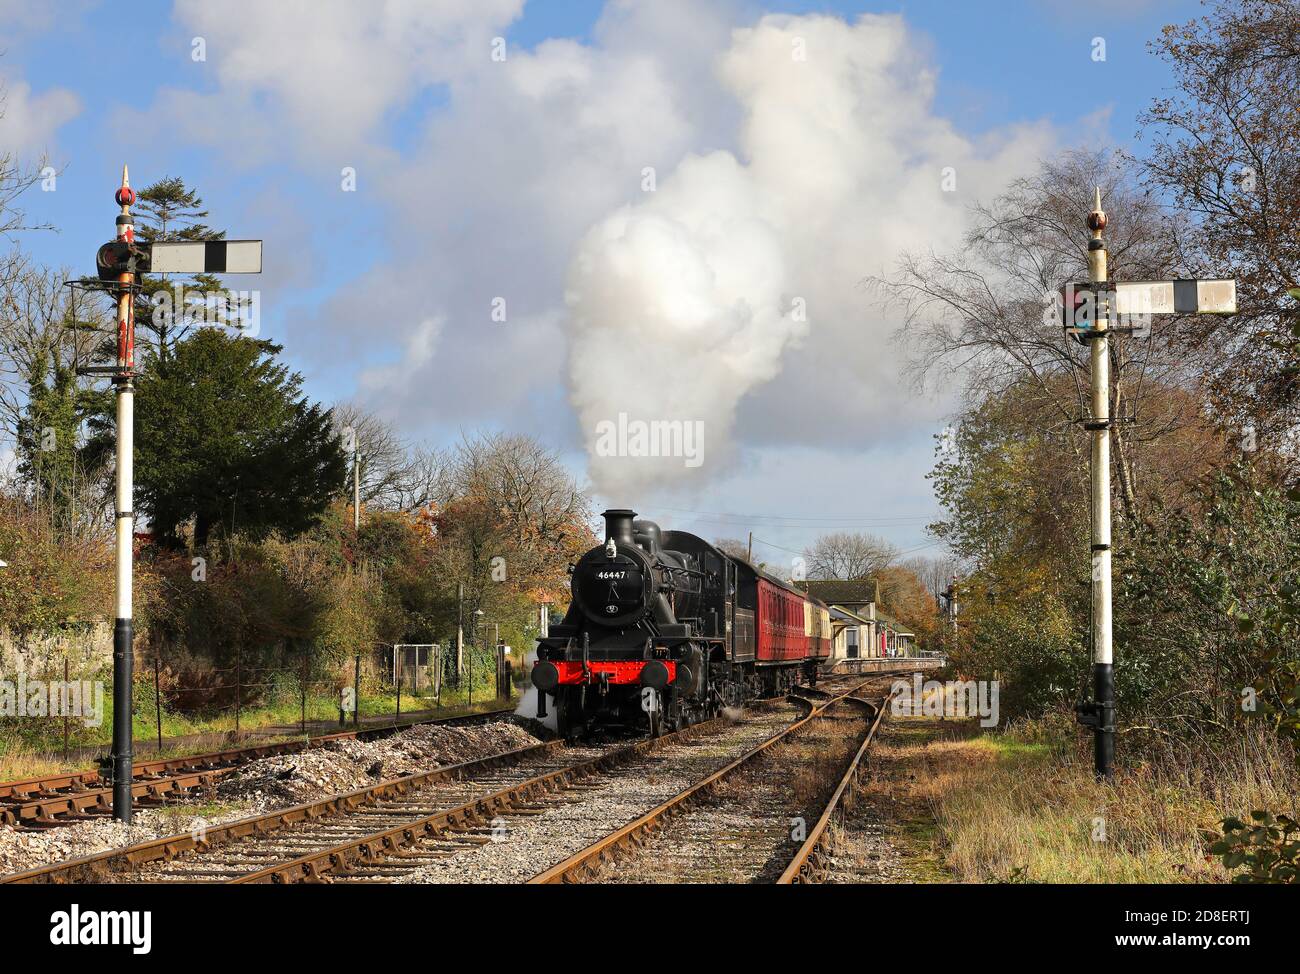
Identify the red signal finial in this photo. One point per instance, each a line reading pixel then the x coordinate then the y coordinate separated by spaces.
pixel 1097 218
pixel 125 195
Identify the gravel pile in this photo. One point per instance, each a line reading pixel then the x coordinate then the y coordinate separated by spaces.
pixel 270 783
pixel 347 765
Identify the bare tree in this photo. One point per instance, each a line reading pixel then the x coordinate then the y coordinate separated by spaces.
pixel 47 410
pixel 935 573
pixel 733 547
pixel 394 474
pixel 848 555
pixel 987 312
pixel 508 511
pixel 1227 153
pixel 37 326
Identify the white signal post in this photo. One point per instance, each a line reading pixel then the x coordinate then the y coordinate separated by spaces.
pixel 1103 675
pixel 123 623
pixel 1091 312
pixel 118 265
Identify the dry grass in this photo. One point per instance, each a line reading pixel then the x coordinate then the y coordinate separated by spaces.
pixel 1024 805
pixel 18 762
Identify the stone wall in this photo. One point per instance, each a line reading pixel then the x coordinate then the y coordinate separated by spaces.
pixel 88 647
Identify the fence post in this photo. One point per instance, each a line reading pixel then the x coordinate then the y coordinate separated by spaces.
pixel 356 690
pixel 157 700
pixel 239 679
pixel 303 689
pixel 398 719
pixel 67 695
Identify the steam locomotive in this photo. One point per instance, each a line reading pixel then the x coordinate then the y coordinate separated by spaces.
pixel 664 630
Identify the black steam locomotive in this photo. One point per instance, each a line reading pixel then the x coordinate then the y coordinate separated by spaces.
pixel 664 630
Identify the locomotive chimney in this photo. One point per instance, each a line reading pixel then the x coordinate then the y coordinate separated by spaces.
pixel 618 525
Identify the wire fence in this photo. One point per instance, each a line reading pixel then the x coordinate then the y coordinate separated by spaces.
pixel 173 700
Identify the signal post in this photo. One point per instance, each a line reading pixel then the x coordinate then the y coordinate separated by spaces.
pixel 1091 312
pixel 120 264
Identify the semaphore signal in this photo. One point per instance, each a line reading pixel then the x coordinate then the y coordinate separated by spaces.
pixel 1090 313
pixel 119 264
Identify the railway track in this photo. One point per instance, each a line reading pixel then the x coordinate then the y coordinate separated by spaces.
pixel 808 863
pixel 748 822
pixel 60 799
pixel 387 831
pixel 498 819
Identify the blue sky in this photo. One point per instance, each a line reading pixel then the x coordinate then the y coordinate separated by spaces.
pixel 373 292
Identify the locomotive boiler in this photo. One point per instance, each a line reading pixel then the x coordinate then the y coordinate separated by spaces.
pixel 664 630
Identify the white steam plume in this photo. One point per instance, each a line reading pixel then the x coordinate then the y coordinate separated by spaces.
pixel 735 269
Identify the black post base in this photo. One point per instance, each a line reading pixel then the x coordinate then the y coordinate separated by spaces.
pixel 1103 680
pixel 1099 714
pixel 122 682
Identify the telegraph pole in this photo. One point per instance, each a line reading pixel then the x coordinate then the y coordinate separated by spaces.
pixel 122 625
pixel 1103 672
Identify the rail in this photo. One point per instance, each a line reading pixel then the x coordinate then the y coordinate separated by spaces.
pixel 59 799
pixel 588 860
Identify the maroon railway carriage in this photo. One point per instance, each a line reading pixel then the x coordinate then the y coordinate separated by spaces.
pixel 664 630
pixel 793 626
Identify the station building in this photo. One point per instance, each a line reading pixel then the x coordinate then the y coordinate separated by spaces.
pixel 859 629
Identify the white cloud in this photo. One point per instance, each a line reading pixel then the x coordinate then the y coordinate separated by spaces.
pixel 332 71
pixel 692 297
pixel 29 120
pixel 871 489
pixel 418 352
pixel 489 204
pixel 22 17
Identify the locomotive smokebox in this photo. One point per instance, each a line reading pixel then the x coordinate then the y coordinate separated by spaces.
pixel 618 525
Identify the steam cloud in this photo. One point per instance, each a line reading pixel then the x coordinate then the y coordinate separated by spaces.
pixel 686 302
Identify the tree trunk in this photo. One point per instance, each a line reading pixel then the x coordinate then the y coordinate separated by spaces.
pixel 1122 466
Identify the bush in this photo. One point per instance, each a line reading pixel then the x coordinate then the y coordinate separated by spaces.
pixel 1267 851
